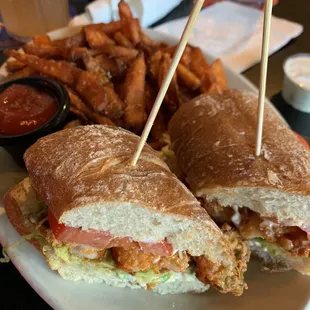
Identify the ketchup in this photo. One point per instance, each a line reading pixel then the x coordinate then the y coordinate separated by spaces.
pixel 24 108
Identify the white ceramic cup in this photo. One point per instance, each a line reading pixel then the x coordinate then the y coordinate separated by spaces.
pixel 296 84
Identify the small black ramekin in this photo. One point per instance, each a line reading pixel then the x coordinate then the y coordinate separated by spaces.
pixel 17 145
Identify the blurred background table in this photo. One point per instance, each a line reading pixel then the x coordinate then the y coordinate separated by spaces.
pixel 17 294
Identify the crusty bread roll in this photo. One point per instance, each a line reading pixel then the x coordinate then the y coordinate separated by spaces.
pixel 84 177
pixel 214 138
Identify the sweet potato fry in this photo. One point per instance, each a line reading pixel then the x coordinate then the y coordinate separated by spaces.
pixel 126 54
pixel 78 53
pixel 159 126
pixel 130 26
pixel 134 94
pixel 24 72
pixel 147 42
pixel 41 40
pixel 78 107
pixel 113 67
pixel 119 86
pixel 96 38
pixel 168 49
pixel 102 65
pixel 171 98
pixel 201 68
pixel 109 28
pixel 124 11
pixel 134 31
pixel 218 74
pixel 198 63
pixel 150 96
pixel 60 70
pixel 14 65
pixel 73 124
pixel 101 98
pixel 76 40
pixel 44 51
pixel 82 110
pixel 186 56
pixel 121 40
pixel 187 77
pixel 92 65
pixel 155 63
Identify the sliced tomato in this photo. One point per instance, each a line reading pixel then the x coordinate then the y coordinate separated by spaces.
pixel 103 240
pixel 303 141
pixel 65 234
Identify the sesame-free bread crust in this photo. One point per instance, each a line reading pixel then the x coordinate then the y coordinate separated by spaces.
pixel 90 164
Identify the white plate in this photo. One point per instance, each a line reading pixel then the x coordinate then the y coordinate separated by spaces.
pixel 285 291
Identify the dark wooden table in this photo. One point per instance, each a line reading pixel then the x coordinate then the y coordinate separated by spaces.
pixel 17 294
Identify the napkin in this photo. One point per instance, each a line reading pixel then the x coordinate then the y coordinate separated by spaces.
pixel 103 11
pixel 234 32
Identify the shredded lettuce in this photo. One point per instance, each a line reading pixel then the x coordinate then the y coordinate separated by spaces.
pixel 34 235
pixel 41 214
pixel 167 152
pixel 272 249
pixel 151 277
pixel 5 258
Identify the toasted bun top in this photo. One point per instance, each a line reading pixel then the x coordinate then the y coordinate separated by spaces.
pixel 214 139
pixel 90 164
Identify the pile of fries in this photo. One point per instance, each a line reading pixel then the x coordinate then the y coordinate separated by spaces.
pixel 113 72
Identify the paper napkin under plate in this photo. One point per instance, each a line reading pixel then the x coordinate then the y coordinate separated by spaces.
pixel 234 33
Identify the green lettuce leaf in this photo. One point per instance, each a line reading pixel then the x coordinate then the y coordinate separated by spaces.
pixel 151 277
pixel 271 248
pixel 107 263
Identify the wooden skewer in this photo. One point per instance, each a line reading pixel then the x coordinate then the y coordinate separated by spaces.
pixel 263 76
pixel 164 87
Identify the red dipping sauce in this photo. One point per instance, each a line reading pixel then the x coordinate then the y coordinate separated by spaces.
pixel 23 109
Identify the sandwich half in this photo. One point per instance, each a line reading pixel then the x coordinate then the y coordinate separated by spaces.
pixel 97 218
pixel 267 198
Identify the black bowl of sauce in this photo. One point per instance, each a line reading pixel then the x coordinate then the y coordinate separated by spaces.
pixel 30 108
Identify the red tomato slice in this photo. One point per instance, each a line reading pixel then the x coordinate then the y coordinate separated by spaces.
pixel 303 141
pixel 65 234
pixel 103 240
